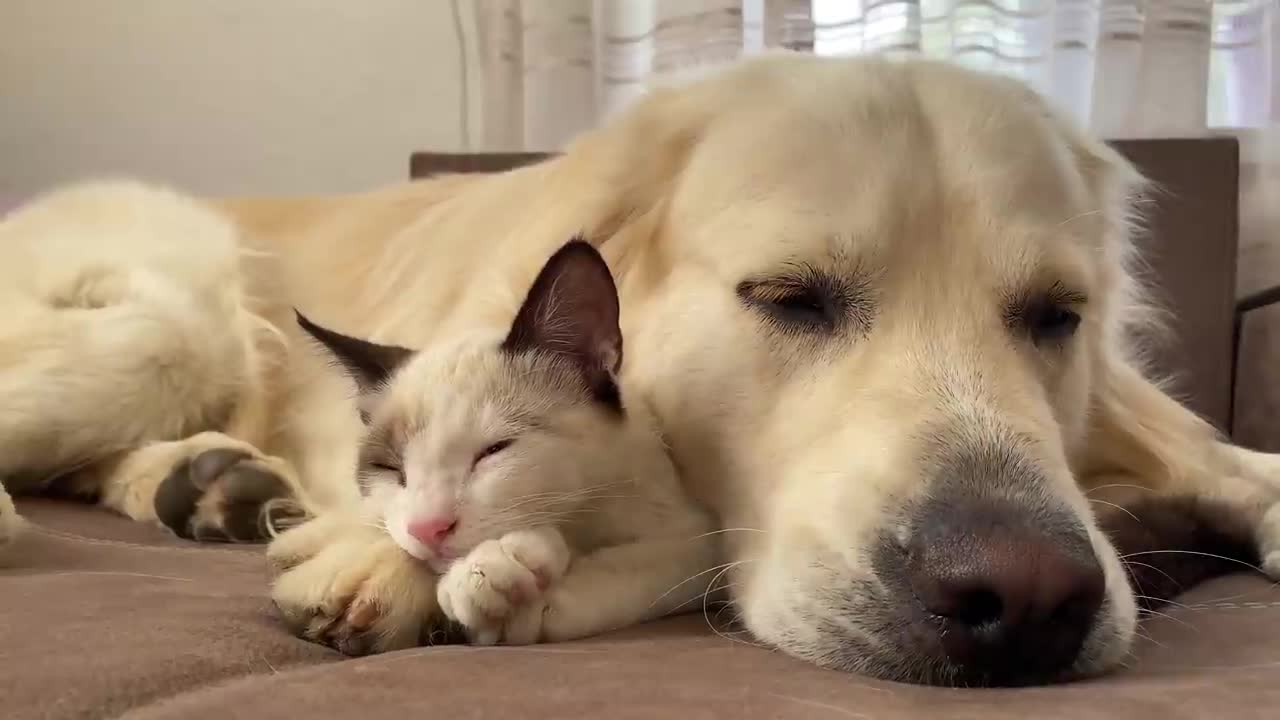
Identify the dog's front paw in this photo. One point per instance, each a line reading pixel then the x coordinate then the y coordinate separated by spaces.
pixel 221 495
pixel 351 587
pixel 1253 491
pixel 497 592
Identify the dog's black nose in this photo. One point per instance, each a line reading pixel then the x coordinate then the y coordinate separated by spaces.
pixel 1012 602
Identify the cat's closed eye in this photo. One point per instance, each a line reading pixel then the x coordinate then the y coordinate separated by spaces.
pixel 389 469
pixel 493 449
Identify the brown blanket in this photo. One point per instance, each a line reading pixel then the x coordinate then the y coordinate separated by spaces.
pixel 102 618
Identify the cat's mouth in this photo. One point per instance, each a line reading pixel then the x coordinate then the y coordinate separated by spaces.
pixel 438 564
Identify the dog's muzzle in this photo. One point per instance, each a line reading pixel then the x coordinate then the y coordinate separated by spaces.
pixel 992 582
pixel 1010 603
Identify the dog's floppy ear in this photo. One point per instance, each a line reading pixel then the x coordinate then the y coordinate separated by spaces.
pixel 369 364
pixel 571 312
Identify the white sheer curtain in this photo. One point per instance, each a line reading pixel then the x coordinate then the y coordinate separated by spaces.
pixel 542 71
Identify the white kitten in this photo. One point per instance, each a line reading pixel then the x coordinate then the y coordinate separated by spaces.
pixel 514 467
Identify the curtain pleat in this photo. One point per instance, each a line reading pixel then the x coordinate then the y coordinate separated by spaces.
pixel 1133 68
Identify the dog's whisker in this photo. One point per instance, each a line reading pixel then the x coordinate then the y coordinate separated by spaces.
pixel 1118 485
pixel 1147 637
pixel 1242 563
pixel 691 578
pixel 1073 218
pixel 1150 567
pixel 1122 509
pixel 726 530
pixel 1170 618
pixel 1162 601
pixel 705 600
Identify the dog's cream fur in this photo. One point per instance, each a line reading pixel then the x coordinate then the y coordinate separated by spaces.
pixel 939 190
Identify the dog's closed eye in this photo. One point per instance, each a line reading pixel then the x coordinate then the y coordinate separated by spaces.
pixel 1052 322
pixel 806 299
pixel 1048 317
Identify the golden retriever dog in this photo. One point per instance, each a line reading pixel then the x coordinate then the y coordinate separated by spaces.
pixel 883 311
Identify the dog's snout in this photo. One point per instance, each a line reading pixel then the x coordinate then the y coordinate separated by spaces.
pixel 1001 580
pixel 1008 598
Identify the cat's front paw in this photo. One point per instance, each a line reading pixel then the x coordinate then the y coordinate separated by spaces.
pixel 1268 540
pixel 349 586
pixel 10 522
pixel 497 592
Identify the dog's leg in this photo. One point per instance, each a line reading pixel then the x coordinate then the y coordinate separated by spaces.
pixel 214 486
pixel 1253 484
pixel 1143 444
pixel 125 323
pixel 208 487
pixel 83 382
pixel 115 382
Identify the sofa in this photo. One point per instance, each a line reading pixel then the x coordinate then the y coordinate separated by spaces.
pixel 104 618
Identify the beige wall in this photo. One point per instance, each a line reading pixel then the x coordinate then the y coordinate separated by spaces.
pixel 225 96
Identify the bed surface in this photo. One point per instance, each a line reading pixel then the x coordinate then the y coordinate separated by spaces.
pixel 103 618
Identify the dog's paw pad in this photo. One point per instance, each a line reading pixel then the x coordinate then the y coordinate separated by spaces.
pixel 223 495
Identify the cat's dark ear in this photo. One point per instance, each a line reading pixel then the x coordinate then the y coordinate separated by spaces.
pixel 572 312
pixel 369 364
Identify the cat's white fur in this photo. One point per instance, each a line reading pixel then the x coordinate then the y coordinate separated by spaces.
pixel 577 490
pixel 577 523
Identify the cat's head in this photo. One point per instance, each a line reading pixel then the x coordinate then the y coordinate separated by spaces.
pixel 474 437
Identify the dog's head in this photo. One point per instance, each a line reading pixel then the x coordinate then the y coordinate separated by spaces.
pixel 876 299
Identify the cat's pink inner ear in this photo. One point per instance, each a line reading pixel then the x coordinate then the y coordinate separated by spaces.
pixel 610 356
pixel 571 310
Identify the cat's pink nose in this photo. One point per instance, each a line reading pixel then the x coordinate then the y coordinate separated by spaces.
pixel 432 531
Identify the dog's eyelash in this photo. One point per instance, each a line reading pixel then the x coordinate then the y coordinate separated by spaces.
pixel 805 298
pixel 1060 294
pixel 1048 317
